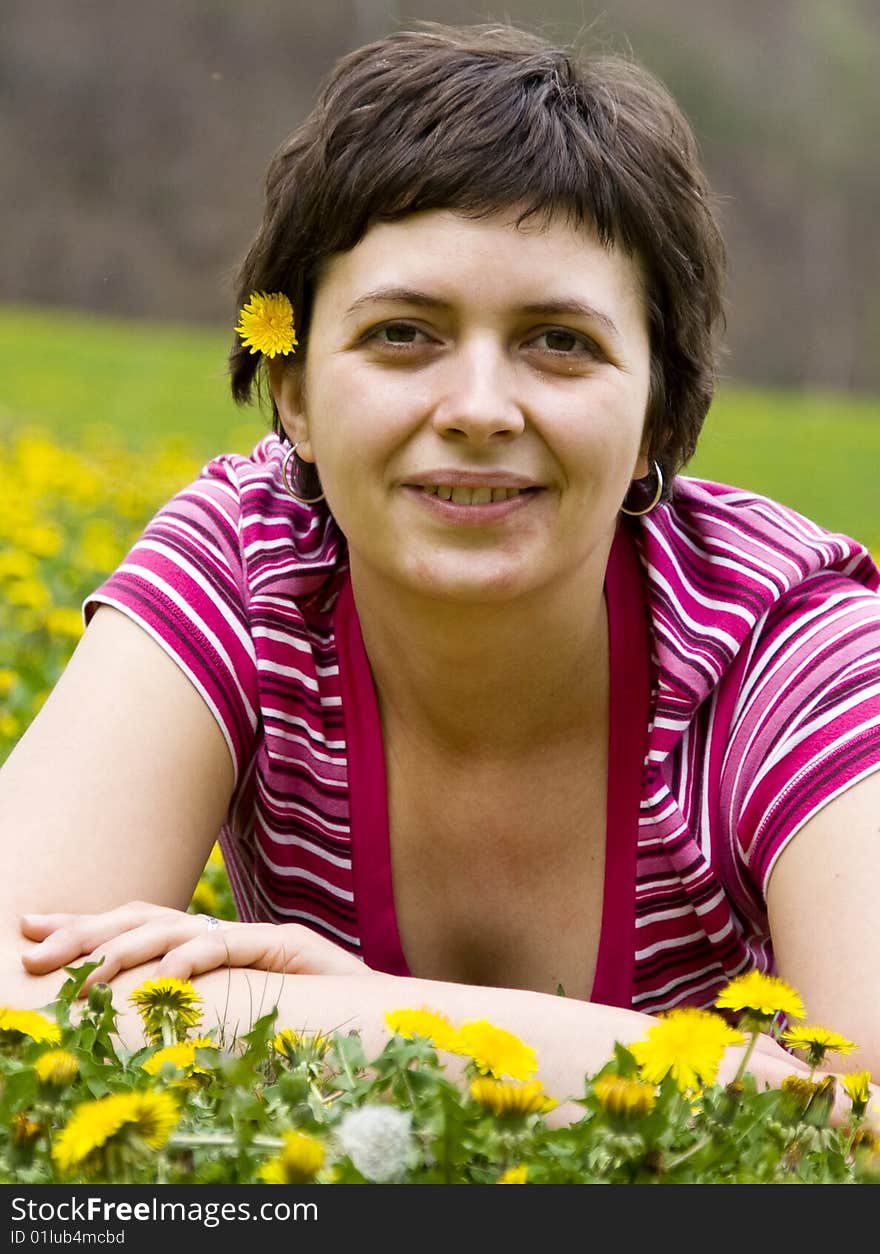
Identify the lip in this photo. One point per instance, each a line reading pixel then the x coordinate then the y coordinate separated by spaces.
pixel 471 515
pixel 470 479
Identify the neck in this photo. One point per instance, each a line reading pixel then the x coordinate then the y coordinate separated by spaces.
pixel 488 680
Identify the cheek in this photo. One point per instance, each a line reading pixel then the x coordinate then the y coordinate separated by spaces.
pixel 352 407
pixel 605 431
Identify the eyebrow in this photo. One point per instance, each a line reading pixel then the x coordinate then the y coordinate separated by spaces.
pixel 544 308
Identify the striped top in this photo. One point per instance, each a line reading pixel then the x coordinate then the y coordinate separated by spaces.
pixel 764 704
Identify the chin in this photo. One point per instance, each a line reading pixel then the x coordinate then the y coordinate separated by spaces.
pixel 468 585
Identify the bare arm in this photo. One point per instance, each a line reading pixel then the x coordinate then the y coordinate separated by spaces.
pixel 116 791
pixel 824 902
pixel 116 794
pixel 572 1038
pixel 140 780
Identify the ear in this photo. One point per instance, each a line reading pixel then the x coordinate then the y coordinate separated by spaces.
pixel 288 392
pixel 642 467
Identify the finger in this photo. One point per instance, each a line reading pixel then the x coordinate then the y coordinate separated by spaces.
pixel 260 946
pixel 283 948
pixel 56 951
pixel 242 945
pixel 81 935
pixel 307 953
pixel 140 945
pixel 38 926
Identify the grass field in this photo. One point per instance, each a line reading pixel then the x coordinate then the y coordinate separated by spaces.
pixel 68 371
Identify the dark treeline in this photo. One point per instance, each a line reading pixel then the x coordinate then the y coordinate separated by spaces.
pixel 134 137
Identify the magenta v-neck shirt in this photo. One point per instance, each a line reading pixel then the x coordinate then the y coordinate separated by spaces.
pixel 627 742
pixel 764 633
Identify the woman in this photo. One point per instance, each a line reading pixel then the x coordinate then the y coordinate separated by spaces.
pixel 486 701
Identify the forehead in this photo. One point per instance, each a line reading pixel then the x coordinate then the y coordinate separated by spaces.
pixel 489 260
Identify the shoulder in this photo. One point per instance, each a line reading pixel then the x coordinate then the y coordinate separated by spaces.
pixel 767 546
pixel 284 546
pixel 724 570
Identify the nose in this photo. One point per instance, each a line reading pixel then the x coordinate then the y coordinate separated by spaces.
pixel 478 402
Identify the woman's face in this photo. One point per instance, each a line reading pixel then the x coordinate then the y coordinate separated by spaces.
pixel 474 398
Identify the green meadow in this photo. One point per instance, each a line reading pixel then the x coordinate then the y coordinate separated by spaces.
pixel 68 371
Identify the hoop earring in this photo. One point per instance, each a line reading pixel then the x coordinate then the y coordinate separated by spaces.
pixel 643 487
pixel 286 480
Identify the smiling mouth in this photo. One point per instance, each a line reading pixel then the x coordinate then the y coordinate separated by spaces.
pixel 462 495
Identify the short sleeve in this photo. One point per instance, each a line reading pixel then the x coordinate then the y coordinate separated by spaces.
pixel 185 582
pixel 806 722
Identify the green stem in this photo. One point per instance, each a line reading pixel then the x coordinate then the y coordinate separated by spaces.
pixel 750 1049
pixel 670 1164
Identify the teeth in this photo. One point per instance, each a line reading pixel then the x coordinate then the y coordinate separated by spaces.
pixel 460 495
pixel 479 496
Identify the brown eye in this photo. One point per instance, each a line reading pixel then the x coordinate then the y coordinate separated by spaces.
pixel 567 343
pixel 561 341
pixel 398 333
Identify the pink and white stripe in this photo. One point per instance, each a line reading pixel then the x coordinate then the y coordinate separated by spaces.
pixel 765 702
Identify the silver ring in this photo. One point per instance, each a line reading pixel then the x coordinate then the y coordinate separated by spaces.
pixel 211 924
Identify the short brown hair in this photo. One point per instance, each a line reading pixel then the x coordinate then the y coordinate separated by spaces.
pixel 484 118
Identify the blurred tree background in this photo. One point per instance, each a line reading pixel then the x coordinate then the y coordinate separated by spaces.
pixel 134 139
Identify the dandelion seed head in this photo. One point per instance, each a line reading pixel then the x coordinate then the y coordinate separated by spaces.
pixel 379 1141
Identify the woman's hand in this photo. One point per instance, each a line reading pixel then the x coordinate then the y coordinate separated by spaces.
pixel 186 944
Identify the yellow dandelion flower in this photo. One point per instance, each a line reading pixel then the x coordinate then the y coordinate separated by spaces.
pixel 857 1085
pixel 14 564
pixel 808 1099
pixel 434 1027
pixel 817 1042
pixel 41 541
pixel 300 1047
pixel 7 682
pixel 266 324
pixel 57 1067
pixel 504 1098
pixel 799 1092
pixel 215 857
pixel 687 1044
pixel 150 1116
pixel 99 545
pixel 866 1146
pixel 25 1129
pixel 61 620
pixel 762 996
pixel 625 1097
pixel 167 993
pixel 800 1086
pixel 286 1041
pixel 29 1023
pixel 298 1163
pixel 28 594
pixel 182 1056
pixel 494 1051
pixel 514 1175
pixel 167 1001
